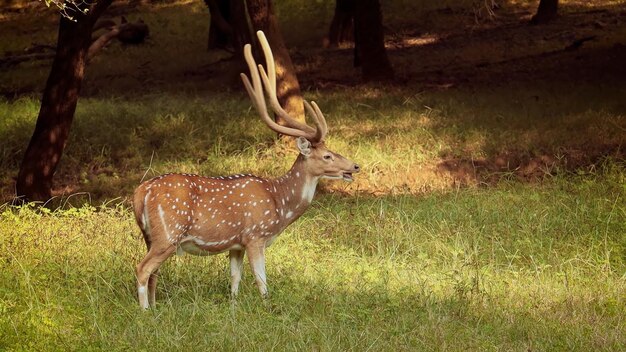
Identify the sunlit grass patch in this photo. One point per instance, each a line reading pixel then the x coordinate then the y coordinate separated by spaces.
pixel 402 139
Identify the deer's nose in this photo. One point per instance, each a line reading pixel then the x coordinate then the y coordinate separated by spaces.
pixel 357 168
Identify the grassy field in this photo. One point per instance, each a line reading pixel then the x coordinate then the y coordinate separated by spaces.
pixel 490 213
pixel 515 267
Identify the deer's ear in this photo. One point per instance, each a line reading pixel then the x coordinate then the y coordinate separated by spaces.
pixel 304 146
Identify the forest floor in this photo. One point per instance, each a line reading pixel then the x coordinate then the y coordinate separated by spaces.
pixel 489 214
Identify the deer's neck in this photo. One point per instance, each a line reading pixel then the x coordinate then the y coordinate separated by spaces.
pixel 294 191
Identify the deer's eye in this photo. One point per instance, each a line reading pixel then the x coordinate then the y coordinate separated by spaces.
pixel 328 157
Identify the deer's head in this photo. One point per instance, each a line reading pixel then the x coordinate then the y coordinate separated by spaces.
pixel 320 161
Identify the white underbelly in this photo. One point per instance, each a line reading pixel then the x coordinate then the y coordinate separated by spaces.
pixel 193 247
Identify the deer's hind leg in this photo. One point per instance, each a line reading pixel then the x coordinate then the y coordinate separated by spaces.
pixel 147 270
pixel 152 282
pixel 236 268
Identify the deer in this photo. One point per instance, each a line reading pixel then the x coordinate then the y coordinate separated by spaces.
pixel 242 213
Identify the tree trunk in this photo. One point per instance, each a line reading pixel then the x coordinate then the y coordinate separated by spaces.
pixel 546 11
pixel 220 29
pixel 342 25
pixel 34 180
pixel 263 18
pixel 370 41
pixel 242 34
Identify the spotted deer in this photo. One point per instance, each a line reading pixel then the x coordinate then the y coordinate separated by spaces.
pixel 240 213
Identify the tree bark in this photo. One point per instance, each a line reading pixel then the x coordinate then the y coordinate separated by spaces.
pixel 342 25
pixel 262 17
pixel 58 104
pixel 370 42
pixel 546 11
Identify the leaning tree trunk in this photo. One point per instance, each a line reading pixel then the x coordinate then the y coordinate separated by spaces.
pixel 546 11
pixel 263 18
pixel 369 42
pixel 34 180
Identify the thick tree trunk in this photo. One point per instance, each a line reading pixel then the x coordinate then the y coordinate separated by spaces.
pixel 369 41
pixel 342 25
pixel 263 18
pixel 546 11
pixel 34 180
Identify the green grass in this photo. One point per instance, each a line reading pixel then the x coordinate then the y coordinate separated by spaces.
pixel 515 267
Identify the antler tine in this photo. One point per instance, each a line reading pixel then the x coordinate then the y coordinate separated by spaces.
pixel 255 91
pixel 275 105
pixel 320 132
pixel 320 116
pixel 269 81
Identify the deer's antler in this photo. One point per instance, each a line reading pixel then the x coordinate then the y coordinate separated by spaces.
pixel 293 127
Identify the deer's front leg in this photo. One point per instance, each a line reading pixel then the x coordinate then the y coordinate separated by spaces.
pixel 256 255
pixel 236 267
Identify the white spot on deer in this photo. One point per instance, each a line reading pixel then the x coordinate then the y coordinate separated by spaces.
pixel 267 212
pixel 289 214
